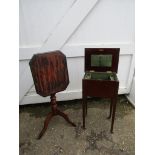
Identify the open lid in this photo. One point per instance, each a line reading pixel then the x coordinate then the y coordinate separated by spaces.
pixel 101 59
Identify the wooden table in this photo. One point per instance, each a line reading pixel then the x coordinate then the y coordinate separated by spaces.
pixel 50 75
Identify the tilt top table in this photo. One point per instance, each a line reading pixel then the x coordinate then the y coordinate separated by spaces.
pixel 50 76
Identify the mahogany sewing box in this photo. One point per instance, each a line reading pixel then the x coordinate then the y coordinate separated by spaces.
pixel 100 79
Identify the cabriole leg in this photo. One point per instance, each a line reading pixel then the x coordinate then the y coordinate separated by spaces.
pixel 46 122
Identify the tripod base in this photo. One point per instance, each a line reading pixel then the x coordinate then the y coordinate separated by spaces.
pixel 55 111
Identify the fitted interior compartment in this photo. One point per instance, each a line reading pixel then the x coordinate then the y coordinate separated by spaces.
pixel 101 76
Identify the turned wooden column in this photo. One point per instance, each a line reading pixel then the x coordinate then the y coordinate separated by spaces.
pixel 53 104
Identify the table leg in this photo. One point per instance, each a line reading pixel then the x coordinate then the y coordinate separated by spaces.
pixel 65 117
pixel 114 102
pixel 111 104
pixel 55 111
pixel 84 110
pixel 46 122
pixel 86 105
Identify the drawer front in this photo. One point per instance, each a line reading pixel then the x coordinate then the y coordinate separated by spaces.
pixel 99 88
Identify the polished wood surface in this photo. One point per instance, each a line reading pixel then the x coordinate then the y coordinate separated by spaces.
pixel 49 71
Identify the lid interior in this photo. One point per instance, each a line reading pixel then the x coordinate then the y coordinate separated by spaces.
pixel 101 59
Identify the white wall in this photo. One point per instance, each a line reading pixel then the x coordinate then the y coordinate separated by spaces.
pixel 109 23
pixel 131 95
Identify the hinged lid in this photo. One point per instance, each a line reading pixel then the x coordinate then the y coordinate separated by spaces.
pixel 101 59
